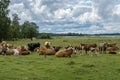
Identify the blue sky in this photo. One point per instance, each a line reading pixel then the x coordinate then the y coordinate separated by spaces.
pixel 75 16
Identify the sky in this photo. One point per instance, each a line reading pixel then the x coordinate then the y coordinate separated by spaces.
pixel 69 16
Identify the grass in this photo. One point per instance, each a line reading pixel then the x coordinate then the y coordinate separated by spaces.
pixel 85 67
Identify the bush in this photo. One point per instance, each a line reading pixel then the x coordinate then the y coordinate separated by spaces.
pixel 44 36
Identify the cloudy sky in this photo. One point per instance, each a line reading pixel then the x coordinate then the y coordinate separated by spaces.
pixel 76 16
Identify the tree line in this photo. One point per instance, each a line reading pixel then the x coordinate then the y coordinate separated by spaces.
pixel 11 29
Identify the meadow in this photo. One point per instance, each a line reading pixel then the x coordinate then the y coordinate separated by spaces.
pixel 85 67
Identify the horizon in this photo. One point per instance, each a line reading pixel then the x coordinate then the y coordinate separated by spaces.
pixel 77 16
pixel 85 33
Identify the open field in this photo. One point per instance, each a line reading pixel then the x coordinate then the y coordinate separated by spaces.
pixel 85 67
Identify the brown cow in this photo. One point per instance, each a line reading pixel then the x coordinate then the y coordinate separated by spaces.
pixel 10 46
pixel 47 45
pixel 87 47
pixel 69 46
pixel 65 53
pixel 23 50
pixel 111 44
pixel 4 43
pixel 43 51
pixel 26 52
pixel 78 49
pixel 114 48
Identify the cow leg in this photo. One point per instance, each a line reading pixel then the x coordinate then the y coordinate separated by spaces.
pixel 86 51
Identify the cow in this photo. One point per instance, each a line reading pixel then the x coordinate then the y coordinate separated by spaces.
pixel 16 52
pixel 69 46
pixel 78 48
pixel 3 43
pixel 4 49
pixel 32 46
pixel 57 48
pixel 65 53
pixel 26 52
pixel 94 51
pixel 114 48
pixel 111 44
pixel 0 50
pixel 7 51
pixel 47 45
pixel 103 47
pixel 10 46
pixel 87 47
pixel 44 51
pixel 23 50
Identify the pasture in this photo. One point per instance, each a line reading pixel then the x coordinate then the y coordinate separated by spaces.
pixel 85 67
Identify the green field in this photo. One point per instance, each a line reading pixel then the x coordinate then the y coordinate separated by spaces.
pixel 85 67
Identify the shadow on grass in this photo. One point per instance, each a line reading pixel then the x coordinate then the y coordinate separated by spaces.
pixel 71 63
pixel 88 65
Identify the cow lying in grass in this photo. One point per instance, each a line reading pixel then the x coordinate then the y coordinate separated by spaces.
pixel 44 51
pixel 112 49
pixel 7 51
pixel 32 46
pixel 57 48
pixel 21 50
pixel 65 53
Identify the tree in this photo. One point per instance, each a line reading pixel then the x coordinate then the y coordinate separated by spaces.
pixel 33 30
pixel 44 36
pixel 29 29
pixel 4 19
pixel 15 27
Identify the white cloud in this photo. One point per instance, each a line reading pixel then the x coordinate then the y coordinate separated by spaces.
pixel 30 0
pixel 104 8
pixel 82 16
pixel 111 27
pixel 62 13
pixel 25 16
pixel 16 8
pixel 88 17
pixel 38 8
pixel 116 10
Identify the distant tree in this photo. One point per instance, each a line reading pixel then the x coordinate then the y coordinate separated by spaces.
pixel 4 19
pixel 29 29
pixel 45 36
pixel 15 27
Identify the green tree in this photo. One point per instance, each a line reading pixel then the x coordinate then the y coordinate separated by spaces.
pixel 44 36
pixel 15 30
pixel 4 19
pixel 29 29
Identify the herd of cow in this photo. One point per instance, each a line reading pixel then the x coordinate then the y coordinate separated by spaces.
pixel 92 49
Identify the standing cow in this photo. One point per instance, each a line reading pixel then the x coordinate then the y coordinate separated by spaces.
pixel 87 47
pixel 103 47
